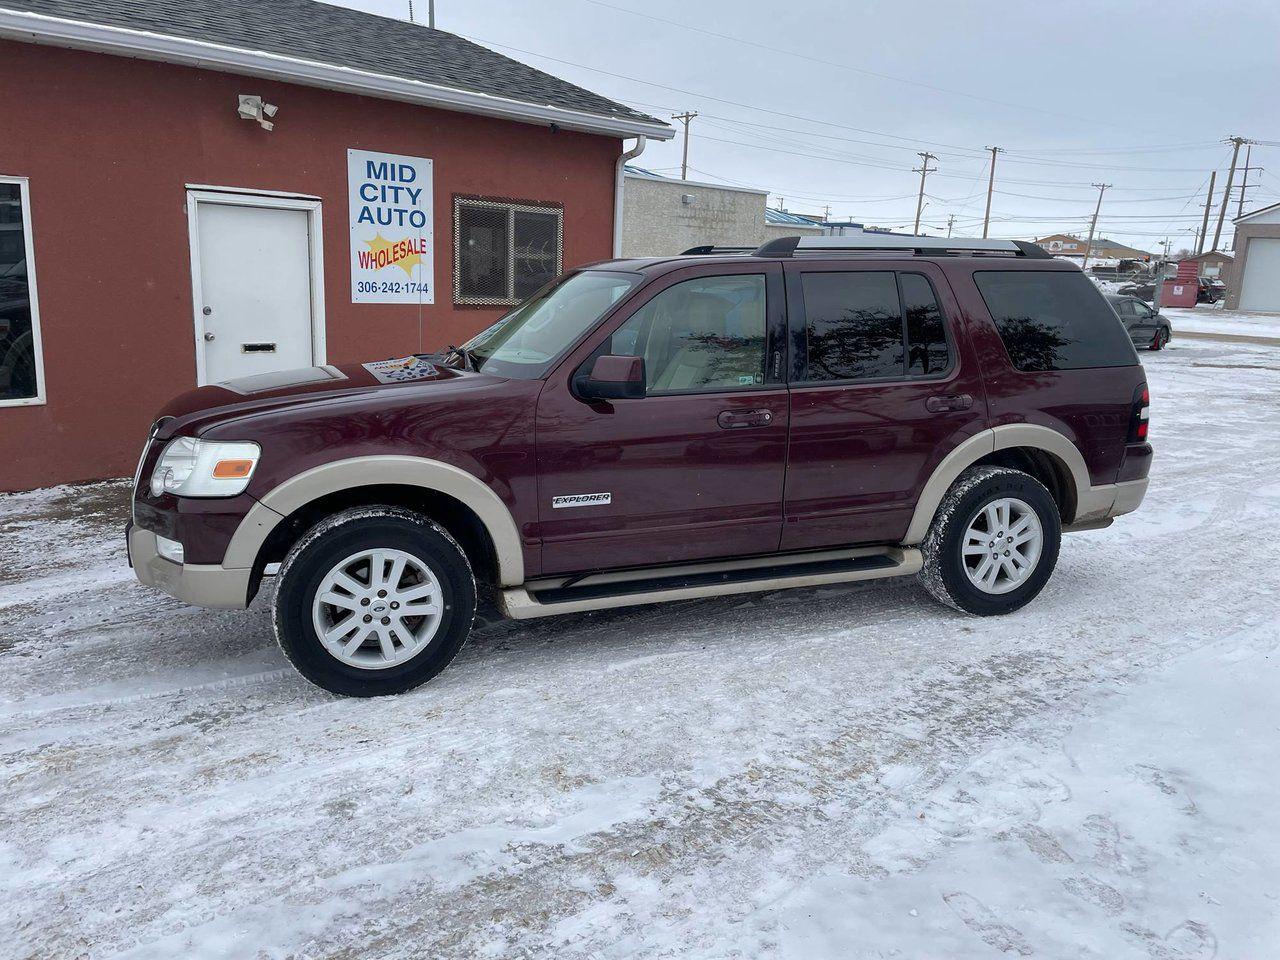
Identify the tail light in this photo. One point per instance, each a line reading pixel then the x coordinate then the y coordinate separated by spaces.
pixel 1139 417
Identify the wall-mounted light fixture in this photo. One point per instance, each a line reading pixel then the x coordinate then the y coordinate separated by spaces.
pixel 255 108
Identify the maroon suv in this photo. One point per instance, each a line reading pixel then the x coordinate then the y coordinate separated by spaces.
pixel 819 411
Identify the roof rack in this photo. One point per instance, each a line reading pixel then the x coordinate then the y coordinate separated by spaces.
pixel 710 249
pixel 919 246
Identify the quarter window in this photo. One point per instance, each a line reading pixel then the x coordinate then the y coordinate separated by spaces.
pixel 504 252
pixel 703 334
pixel 1054 320
pixel 21 376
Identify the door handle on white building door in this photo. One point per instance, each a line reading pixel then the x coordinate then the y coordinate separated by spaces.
pixel 946 403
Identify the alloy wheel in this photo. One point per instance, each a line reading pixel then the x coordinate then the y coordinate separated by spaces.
pixel 1002 545
pixel 377 609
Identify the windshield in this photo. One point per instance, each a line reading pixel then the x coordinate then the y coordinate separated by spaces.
pixel 525 342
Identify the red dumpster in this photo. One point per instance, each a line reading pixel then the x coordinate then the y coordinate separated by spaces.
pixel 1180 291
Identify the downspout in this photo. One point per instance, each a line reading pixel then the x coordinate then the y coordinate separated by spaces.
pixel 619 177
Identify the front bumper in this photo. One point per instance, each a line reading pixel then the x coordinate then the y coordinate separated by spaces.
pixel 204 585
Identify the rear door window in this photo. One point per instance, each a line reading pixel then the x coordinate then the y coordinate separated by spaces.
pixel 869 325
pixel 853 325
pixel 1054 320
pixel 927 352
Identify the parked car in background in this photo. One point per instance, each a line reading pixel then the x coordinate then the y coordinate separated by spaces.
pixel 1211 290
pixel 1146 327
pixel 1141 289
pixel 821 410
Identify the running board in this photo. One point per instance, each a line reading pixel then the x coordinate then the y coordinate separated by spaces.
pixel 554 596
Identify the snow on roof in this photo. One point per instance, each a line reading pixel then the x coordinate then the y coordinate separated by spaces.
pixel 786 219
pixel 1257 213
pixel 640 173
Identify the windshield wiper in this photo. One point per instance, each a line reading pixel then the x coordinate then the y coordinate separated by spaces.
pixel 469 359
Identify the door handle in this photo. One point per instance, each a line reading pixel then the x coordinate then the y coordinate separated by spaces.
pixel 948 402
pixel 736 419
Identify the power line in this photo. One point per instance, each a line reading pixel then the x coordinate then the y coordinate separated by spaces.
pixel 1093 224
pixel 991 186
pixel 924 171
pixel 849 67
pixel 1208 205
pixel 1236 142
pixel 685 118
pixel 765 110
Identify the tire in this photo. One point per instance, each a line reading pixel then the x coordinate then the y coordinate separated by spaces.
pixel 946 569
pixel 398 651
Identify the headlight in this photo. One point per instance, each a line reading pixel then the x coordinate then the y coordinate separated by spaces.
pixel 205 468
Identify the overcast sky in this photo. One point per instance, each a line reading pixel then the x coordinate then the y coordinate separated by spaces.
pixel 825 102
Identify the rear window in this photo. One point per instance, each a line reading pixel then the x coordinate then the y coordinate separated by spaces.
pixel 1054 320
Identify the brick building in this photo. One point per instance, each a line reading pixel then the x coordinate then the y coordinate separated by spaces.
pixel 194 190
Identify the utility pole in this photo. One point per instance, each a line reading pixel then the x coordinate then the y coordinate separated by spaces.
pixel 951 222
pixel 1203 235
pixel 991 187
pixel 1093 224
pixel 924 171
pixel 684 163
pixel 1237 143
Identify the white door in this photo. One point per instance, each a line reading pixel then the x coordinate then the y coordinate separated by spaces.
pixel 256 287
pixel 1260 288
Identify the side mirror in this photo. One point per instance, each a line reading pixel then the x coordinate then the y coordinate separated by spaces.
pixel 613 378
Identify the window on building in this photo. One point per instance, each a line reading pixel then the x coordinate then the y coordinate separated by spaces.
pixel 1054 320
pixel 504 252
pixel 21 375
pixel 703 334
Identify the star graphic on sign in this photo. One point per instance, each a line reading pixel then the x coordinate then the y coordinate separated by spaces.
pixel 406 263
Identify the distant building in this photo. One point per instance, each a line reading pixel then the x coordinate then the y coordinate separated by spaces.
pixel 1214 263
pixel 1254 282
pixel 782 223
pixel 663 216
pixel 1069 245
pixel 851 228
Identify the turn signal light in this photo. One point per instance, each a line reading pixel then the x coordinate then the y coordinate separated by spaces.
pixel 232 469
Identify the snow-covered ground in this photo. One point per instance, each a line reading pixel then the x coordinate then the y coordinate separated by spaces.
pixel 840 772
pixel 1211 319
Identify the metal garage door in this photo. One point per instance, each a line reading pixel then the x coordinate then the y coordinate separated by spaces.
pixel 1261 287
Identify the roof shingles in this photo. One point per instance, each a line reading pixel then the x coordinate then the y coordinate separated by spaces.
pixel 339 36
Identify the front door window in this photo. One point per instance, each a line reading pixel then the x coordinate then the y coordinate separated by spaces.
pixel 701 335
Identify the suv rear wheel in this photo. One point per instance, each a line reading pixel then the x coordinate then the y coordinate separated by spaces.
pixel 993 543
pixel 374 601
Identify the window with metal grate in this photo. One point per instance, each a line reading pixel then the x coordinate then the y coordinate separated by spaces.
pixel 504 251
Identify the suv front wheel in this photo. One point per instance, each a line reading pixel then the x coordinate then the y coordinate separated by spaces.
pixel 374 601
pixel 993 543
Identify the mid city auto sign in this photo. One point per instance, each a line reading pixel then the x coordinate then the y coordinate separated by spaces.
pixel 392 238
